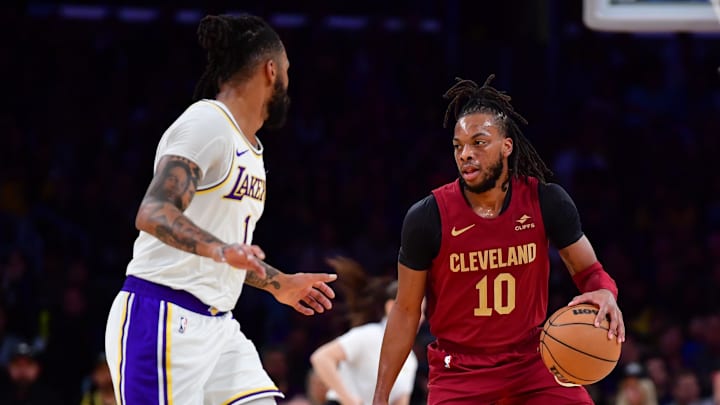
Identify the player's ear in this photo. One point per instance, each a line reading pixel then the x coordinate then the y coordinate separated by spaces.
pixel 270 69
pixel 507 146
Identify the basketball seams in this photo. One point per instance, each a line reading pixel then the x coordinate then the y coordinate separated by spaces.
pixel 575 378
pixel 575 349
pixel 557 325
pixel 580 331
pixel 561 311
pixel 557 314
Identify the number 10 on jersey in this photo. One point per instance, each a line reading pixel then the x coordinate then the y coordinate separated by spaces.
pixel 503 287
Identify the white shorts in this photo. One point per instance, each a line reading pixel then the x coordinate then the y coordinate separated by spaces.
pixel 165 347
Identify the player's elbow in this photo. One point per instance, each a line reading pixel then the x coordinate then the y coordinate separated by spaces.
pixel 316 358
pixel 142 219
pixel 322 358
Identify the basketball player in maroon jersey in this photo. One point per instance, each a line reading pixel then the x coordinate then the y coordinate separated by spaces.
pixel 478 247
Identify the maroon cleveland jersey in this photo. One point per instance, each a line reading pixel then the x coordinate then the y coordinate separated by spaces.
pixel 488 286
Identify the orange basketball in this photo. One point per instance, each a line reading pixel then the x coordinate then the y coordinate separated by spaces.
pixel 576 351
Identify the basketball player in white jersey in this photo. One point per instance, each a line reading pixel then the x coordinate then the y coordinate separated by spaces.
pixel 170 336
pixel 348 365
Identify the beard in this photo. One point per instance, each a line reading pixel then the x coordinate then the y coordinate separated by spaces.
pixel 277 106
pixel 494 172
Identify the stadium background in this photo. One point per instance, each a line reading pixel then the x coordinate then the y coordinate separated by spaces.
pixel 629 123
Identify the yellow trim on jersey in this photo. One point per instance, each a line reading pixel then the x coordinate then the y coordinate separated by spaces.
pixel 250 392
pixel 222 183
pixel 239 132
pixel 168 344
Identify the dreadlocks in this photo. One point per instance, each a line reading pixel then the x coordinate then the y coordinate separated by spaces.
pixel 466 97
pixel 234 45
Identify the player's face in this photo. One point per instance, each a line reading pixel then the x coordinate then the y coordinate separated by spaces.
pixel 279 102
pixel 481 151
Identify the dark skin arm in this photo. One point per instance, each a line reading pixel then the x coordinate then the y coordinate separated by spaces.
pixel 578 256
pixel 400 331
pixel 161 215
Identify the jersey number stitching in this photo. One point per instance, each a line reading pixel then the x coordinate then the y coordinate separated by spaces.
pixel 503 285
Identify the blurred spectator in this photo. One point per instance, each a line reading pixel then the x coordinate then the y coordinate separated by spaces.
pixel 629 122
pixel 26 385
pixel 275 363
pixel 8 340
pixel 314 393
pixel 686 390
pixel 635 387
pixel 657 372
pixel 98 388
pixel 70 349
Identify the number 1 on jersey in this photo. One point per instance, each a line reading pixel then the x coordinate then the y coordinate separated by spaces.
pixel 503 285
pixel 247 228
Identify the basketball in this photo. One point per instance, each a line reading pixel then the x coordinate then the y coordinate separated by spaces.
pixel 576 351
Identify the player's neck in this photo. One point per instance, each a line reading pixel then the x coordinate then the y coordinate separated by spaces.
pixel 489 204
pixel 245 109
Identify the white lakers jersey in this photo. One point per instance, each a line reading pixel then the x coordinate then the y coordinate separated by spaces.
pixel 228 203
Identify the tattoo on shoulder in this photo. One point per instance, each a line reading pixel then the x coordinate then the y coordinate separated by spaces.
pixel 172 189
pixel 263 283
pixel 175 182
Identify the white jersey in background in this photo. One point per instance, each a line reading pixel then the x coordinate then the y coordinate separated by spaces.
pixel 229 201
pixel 358 371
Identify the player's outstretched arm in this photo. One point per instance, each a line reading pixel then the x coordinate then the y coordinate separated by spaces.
pixel 307 293
pixel 161 215
pixel 400 331
pixel 595 285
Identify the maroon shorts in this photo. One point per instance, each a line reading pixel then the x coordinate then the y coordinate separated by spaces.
pixel 514 376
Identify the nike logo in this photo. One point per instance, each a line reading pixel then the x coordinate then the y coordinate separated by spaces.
pixel 239 153
pixel 456 232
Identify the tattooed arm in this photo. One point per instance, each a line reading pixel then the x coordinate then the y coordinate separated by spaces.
pixel 308 293
pixel 161 215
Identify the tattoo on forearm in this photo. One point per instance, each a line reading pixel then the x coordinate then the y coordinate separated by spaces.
pixel 270 274
pixel 178 232
pixel 169 194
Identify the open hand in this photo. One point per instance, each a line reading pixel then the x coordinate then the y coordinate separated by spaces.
pixel 308 293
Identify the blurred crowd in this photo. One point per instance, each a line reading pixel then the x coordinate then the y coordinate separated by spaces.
pixel 628 123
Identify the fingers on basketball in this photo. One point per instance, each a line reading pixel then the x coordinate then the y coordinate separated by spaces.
pixel 574 349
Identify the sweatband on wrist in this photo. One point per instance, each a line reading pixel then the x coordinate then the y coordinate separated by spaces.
pixel 594 278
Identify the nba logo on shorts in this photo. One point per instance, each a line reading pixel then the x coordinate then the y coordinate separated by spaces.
pixel 183 324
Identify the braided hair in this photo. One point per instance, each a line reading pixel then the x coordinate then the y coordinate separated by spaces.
pixel 466 97
pixel 234 45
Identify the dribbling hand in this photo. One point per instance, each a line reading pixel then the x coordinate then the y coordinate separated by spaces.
pixel 605 300
pixel 241 256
